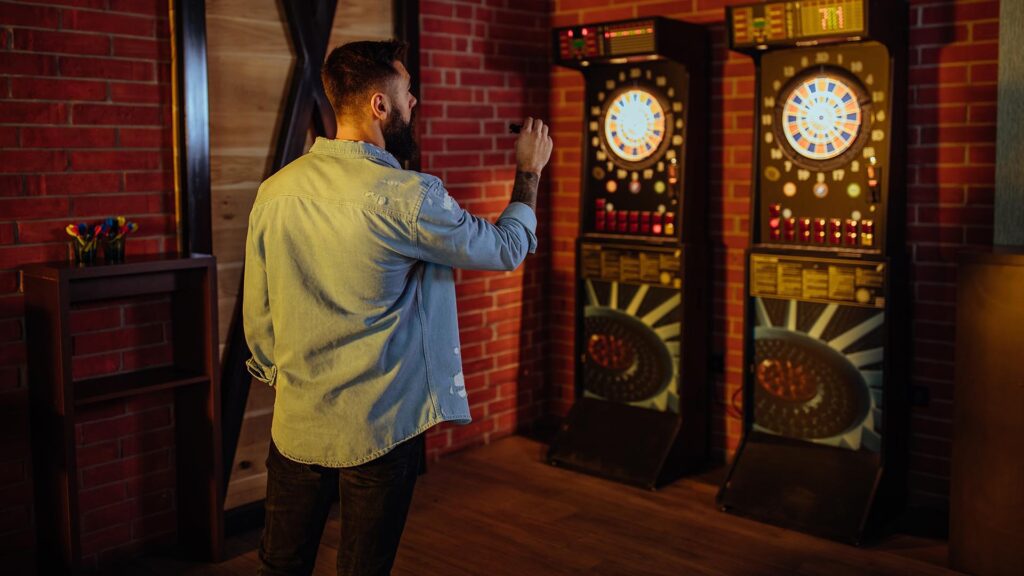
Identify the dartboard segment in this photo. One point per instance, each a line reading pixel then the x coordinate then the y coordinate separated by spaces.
pixel 821 117
pixel 634 125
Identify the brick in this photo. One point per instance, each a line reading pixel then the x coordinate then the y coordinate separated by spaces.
pixel 33 64
pixel 11 185
pixel 97 365
pixel 124 338
pixel 985 31
pixel 147 312
pixel 141 93
pixel 115 160
pixel 149 357
pixel 57 89
pixel 126 425
pixel 984 72
pixel 93 319
pixel 34 207
pixel 142 49
pixel 69 138
pixel 134 444
pixel 33 113
pixel 94 4
pixel 38 231
pixel 149 181
pixel 441 127
pixel 960 53
pixel 8 137
pixel 457 60
pixel 107 68
pixel 63 42
pixel 153 481
pixel 482 78
pixel 145 138
pixel 146 7
pixel 436 8
pixel 117 513
pixel 89 500
pixel 464 144
pixel 20 14
pixel 76 184
pixel 126 204
pixel 98 114
pixel 111 23
pixel 131 467
pixel 96 454
pixel 432 25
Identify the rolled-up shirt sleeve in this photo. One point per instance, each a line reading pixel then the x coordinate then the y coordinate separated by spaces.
pixel 448 234
pixel 256 318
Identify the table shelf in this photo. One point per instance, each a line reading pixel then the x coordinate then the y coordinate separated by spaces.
pixel 50 291
pixel 127 384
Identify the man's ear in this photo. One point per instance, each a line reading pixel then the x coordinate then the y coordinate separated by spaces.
pixel 379 104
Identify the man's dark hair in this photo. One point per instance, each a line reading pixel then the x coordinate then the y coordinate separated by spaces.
pixel 355 69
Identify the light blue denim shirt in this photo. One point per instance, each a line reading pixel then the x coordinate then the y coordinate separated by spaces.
pixel 349 299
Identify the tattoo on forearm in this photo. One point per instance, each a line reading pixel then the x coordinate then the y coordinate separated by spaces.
pixel 525 189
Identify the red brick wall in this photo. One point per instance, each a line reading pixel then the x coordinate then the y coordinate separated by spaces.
pixel 950 179
pixel 85 133
pixel 485 64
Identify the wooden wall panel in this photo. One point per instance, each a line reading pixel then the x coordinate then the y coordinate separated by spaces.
pixel 250 59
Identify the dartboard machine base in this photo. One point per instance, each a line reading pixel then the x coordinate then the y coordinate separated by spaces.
pixel 818 489
pixel 618 442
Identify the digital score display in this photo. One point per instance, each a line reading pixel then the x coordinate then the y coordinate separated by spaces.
pixel 782 23
pixel 831 17
pixel 608 40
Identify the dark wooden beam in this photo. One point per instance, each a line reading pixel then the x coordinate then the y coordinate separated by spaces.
pixel 407 28
pixel 192 135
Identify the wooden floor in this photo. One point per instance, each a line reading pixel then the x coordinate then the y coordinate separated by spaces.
pixel 499 510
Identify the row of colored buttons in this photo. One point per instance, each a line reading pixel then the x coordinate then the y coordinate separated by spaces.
pixel 849 233
pixel 633 221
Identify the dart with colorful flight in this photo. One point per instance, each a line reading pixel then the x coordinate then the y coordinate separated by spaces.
pixel 640 414
pixel 824 397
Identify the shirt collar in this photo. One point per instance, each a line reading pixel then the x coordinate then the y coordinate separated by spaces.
pixel 353 149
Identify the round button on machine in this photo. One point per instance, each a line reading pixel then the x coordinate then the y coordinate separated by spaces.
pixel 820 190
pixel 789 189
pixel 634 187
pixel 612 186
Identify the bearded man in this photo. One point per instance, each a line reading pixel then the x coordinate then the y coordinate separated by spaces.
pixel 349 312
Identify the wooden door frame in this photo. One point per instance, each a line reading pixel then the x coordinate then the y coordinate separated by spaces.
pixel 192 164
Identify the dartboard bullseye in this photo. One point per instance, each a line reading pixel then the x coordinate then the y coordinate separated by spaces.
pixel 634 125
pixel 821 117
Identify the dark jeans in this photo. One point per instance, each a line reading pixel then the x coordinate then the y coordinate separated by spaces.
pixel 375 499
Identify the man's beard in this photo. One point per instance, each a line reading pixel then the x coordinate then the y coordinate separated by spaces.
pixel 400 137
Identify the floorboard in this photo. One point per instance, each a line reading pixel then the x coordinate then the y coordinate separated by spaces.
pixel 499 510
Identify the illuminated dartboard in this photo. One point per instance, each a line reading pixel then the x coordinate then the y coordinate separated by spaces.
pixel 822 116
pixel 634 125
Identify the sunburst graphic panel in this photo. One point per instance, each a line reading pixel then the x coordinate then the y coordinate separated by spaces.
pixel 631 344
pixel 818 372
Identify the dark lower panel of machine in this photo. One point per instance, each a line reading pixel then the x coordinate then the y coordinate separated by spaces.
pixel 617 441
pixel 817 489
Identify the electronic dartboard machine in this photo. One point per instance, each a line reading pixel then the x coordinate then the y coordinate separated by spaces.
pixel 824 389
pixel 640 414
